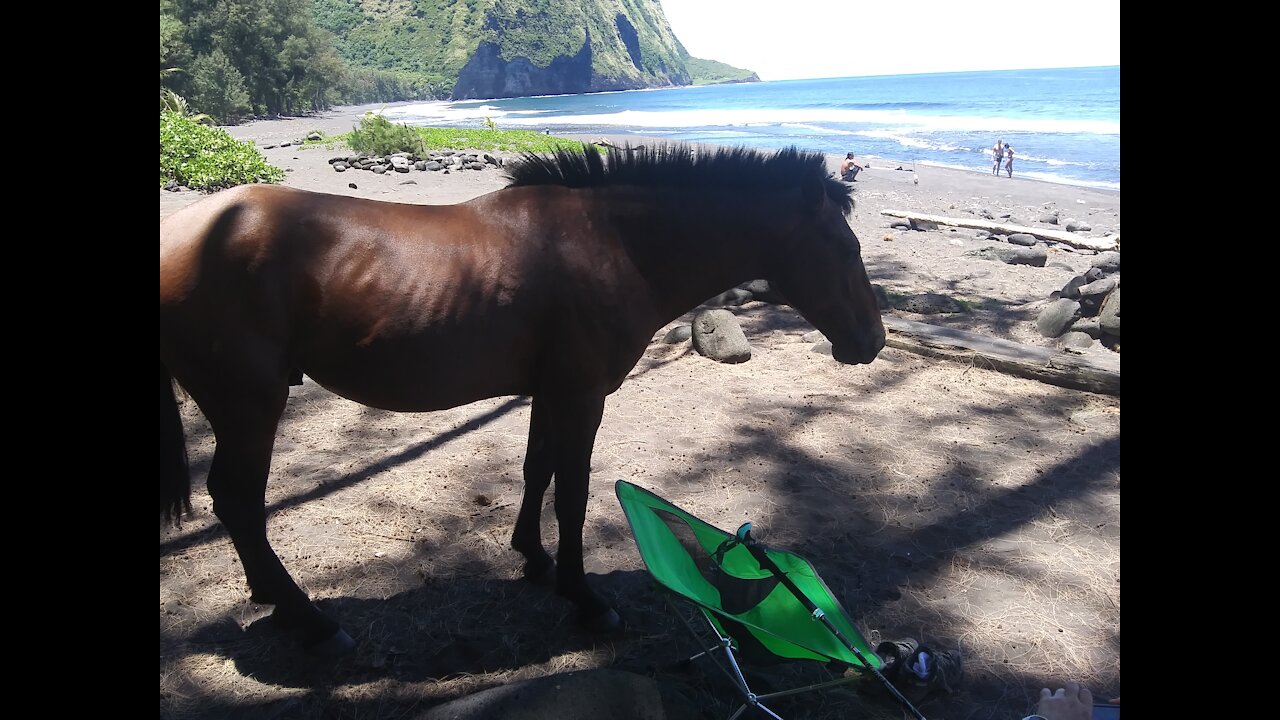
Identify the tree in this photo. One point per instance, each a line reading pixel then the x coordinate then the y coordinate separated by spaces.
pixel 218 88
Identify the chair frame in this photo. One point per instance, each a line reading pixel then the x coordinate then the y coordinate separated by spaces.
pixel 724 643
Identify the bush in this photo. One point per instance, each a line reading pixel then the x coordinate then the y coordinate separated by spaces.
pixel 379 136
pixel 207 158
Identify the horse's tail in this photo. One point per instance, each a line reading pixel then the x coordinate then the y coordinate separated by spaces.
pixel 175 475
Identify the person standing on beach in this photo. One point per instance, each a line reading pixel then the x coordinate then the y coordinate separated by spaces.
pixel 849 168
pixel 997 155
pixel 1008 159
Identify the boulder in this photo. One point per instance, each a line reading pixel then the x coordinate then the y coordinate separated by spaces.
pixel 717 335
pixel 1057 316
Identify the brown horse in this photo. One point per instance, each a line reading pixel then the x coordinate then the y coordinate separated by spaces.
pixel 551 287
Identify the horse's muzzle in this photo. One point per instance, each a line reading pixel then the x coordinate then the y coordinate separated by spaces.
pixel 859 352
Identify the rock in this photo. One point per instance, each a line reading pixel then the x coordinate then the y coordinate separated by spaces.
pixel 379 169
pixel 1078 226
pixel 340 166
pixel 420 165
pixel 1056 317
pixel 409 182
pixel 1074 339
pixel 473 165
pixel 901 224
pixel 1048 219
pixel 1087 325
pixel 433 165
pixel 928 304
pixel 1100 287
pixel 678 334
pixel 717 335
pixel 1109 316
pixel 1108 261
pixel 733 296
pixel 339 159
pixel 823 348
pixel 352 186
pixel 762 291
pixel 314 136
pixel 923 225
pixel 1024 239
pixel 1072 289
pixel 1013 255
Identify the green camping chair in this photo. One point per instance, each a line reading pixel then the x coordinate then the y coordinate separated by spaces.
pixel 763 602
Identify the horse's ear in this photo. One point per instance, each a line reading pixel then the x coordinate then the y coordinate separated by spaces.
pixel 813 192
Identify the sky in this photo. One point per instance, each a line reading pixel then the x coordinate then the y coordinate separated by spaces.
pixel 792 39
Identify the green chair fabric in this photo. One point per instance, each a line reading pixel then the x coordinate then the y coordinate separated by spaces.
pixel 702 564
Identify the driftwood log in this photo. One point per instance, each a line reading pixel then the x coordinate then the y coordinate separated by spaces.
pixel 1110 242
pixel 1095 373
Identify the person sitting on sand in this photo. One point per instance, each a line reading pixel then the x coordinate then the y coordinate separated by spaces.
pixel 997 155
pixel 1008 159
pixel 849 168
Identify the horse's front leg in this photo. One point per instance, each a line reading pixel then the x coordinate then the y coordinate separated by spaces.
pixel 539 464
pixel 574 426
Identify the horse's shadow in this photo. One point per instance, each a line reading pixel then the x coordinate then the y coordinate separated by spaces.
pixel 448 627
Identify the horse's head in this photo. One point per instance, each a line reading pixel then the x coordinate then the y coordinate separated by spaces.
pixel 821 274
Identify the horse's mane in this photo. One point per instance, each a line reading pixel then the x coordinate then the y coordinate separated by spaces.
pixel 680 165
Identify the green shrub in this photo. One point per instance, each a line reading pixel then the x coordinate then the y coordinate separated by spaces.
pixel 506 140
pixel 379 136
pixel 444 138
pixel 207 158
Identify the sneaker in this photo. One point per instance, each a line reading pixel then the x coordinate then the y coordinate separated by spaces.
pixel 918 669
pixel 929 670
pixel 896 654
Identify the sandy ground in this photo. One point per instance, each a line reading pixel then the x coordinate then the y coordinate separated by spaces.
pixel 939 500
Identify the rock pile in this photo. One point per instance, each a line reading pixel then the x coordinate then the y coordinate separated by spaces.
pixel 1087 308
pixel 435 161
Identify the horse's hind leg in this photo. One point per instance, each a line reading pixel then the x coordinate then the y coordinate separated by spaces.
pixel 539 464
pixel 244 427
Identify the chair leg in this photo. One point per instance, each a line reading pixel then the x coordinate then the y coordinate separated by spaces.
pixel 733 672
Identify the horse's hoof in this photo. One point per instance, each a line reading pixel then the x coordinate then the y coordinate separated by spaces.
pixel 337 645
pixel 602 622
pixel 544 575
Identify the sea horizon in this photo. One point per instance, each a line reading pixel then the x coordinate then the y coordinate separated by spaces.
pixel 1063 123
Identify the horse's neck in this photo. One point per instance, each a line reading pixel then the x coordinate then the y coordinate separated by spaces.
pixel 690 257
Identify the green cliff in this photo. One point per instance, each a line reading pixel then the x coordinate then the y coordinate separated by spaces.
pixel 510 48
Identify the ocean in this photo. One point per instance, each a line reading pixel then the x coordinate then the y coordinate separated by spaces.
pixel 1063 124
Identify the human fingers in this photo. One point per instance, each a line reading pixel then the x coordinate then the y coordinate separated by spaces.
pixel 1045 693
pixel 1085 696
